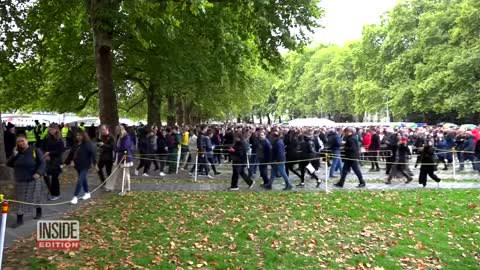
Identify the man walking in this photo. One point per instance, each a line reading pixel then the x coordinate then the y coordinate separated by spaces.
pixel 278 162
pixel 352 155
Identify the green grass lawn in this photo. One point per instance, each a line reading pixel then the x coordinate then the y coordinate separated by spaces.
pixel 417 229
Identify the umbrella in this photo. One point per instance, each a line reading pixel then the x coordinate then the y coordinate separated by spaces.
pixel 468 126
pixel 449 125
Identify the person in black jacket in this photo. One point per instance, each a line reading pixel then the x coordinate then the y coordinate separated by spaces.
pixel 307 155
pixel 238 154
pixel 9 139
pixel 106 144
pixel 352 155
pixel 162 150
pixel 82 157
pixel 428 164
pixel 28 167
pixel 400 165
pixel 142 149
pixel 264 156
pixel 392 144
pixel 202 145
pixel 53 149
pixel 374 150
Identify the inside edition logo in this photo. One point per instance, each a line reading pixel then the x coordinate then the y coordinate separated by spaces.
pixel 58 234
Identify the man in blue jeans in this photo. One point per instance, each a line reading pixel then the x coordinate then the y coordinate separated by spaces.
pixel 278 162
pixel 334 143
pixel 352 155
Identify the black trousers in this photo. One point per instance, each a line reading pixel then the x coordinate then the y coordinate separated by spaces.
pixel 347 165
pixel 290 167
pixel 107 164
pixel 427 170
pixel 212 163
pixel 373 157
pixel 303 167
pixel 239 170
pixel 53 183
pixel 264 173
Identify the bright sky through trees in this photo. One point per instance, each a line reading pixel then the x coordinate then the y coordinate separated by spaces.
pixel 344 19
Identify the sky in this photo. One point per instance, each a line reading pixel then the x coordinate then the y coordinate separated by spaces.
pixel 344 19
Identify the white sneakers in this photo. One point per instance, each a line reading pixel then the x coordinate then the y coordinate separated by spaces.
pixel 54 198
pixel 74 200
pixel 86 196
pixel 136 172
pixel 146 175
pixel 162 174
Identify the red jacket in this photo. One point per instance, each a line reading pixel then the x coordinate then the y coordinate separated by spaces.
pixel 367 139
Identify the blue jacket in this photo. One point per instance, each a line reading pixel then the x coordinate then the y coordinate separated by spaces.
pixel 278 150
pixel 125 145
pixel 25 165
pixel 264 151
pixel 469 145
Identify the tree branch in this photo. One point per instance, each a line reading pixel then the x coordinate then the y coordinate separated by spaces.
pixel 134 105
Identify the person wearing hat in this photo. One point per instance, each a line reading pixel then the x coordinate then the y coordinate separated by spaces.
pixel 10 139
pixel 400 164
pixel 53 149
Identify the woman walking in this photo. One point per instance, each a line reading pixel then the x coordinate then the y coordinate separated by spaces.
pixel 428 164
pixel 124 159
pixel 53 148
pixel 400 165
pixel 82 157
pixel 107 146
pixel 28 165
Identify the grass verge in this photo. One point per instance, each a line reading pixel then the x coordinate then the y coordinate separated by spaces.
pixel 416 229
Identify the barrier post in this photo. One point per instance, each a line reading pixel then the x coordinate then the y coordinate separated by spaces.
pixel 326 172
pixel 196 168
pixel 179 152
pixel 3 228
pixel 124 168
pixel 454 165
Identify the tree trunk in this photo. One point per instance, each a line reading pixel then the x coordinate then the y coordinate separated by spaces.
pixel 239 120
pixel 260 117
pixel 102 14
pixel 171 111
pixel 153 106
pixel 180 110
pixel 279 119
pixel 268 119
pixel 5 172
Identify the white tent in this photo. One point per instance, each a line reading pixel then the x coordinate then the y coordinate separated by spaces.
pixel 311 122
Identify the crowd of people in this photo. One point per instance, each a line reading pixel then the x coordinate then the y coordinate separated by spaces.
pixel 41 152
